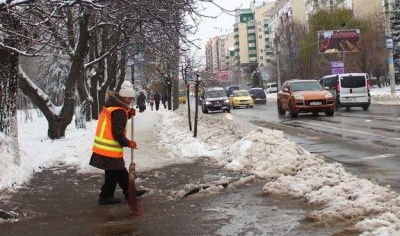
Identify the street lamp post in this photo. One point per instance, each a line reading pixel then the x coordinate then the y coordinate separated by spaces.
pixel 196 91
pixel 277 61
pixel 389 47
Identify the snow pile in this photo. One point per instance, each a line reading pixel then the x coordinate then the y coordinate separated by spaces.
pixel 9 166
pixel 385 98
pixel 383 95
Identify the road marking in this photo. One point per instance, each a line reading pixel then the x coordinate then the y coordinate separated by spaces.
pixel 354 131
pixel 377 157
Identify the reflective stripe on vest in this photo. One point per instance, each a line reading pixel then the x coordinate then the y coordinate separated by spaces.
pixel 104 142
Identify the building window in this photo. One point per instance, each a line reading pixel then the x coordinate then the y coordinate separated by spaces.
pixel 261 58
pixel 259 36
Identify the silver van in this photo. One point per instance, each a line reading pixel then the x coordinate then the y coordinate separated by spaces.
pixel 349 90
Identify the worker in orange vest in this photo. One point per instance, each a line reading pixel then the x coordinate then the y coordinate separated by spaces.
pixel 110 138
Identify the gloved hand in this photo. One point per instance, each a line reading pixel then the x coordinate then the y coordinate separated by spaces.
pixel 132 144
pixel 131 112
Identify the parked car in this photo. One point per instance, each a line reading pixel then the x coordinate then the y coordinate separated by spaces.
pixel 304 96
pixel 258 95
pixel 230 89
pixel 349 90
pixel 215 99
pixel 182 96
pixel 241 98
pixel 271 88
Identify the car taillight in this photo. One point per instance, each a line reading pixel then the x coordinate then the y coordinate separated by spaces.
pixel 368 84
pixel 337 86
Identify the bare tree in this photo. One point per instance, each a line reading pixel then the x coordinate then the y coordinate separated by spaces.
pixel 290 35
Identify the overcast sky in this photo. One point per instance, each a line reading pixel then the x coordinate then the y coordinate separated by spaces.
pixel 223 24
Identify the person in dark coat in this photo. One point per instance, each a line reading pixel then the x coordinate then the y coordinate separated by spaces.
pixel 157 99
pixel 110 138
pixel 141 102
pixel 164 100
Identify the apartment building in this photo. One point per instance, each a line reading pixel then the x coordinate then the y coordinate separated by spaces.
pixel 360 7
pixel 217 52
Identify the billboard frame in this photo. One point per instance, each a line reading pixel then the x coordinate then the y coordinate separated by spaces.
pixel 334 41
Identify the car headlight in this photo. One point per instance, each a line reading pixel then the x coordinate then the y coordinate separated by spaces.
pixel 208 103
pixel 298 97
pixel 328 95
pixel 226 101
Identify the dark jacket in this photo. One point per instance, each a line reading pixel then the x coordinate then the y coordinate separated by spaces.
pixel 119 120
pixel 157 97
pixel 141 99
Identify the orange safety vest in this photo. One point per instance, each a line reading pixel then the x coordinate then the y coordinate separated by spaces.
pixel 104 142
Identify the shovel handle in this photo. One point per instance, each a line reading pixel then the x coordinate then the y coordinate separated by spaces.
pixel 132 123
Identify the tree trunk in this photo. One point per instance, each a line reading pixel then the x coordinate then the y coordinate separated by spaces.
pixel 8 98
pixel 8 92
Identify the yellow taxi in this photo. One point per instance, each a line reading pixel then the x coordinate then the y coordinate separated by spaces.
pixel 241 98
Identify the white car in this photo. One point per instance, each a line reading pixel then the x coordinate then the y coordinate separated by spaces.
pixel 271 88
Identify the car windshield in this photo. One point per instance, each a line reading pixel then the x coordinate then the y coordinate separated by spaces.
pixel 306 86
pixel 240 93
pixel 215 93
pixel 353 81
pixel 257 92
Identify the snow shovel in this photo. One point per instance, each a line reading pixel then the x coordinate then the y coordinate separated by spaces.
pixel 132 201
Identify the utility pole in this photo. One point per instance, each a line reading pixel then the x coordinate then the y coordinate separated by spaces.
pixel 276 40
pixel 389 47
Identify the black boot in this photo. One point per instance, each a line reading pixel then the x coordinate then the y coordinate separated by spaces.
pixel 107 201
pixel 138 193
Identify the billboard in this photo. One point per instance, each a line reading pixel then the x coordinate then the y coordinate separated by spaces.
pixel 331 41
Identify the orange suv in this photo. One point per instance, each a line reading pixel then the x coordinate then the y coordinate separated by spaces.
pixel 304 96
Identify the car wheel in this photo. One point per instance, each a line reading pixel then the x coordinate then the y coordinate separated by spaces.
pixel 337 104
pixel 329 113
pixel 281 112
pixel 347 108
pixel 228 111
pixel 251 106
pixel 204 110
pixel 291 112
pixel 365 107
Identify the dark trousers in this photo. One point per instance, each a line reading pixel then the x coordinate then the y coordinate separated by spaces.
pixel 157 105
pixel 111 178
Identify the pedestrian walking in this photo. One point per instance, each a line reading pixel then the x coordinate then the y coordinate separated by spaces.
pixel 157 99
pixel 151 102
pixel 110 138
pixel 141 102
pixel 164 100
